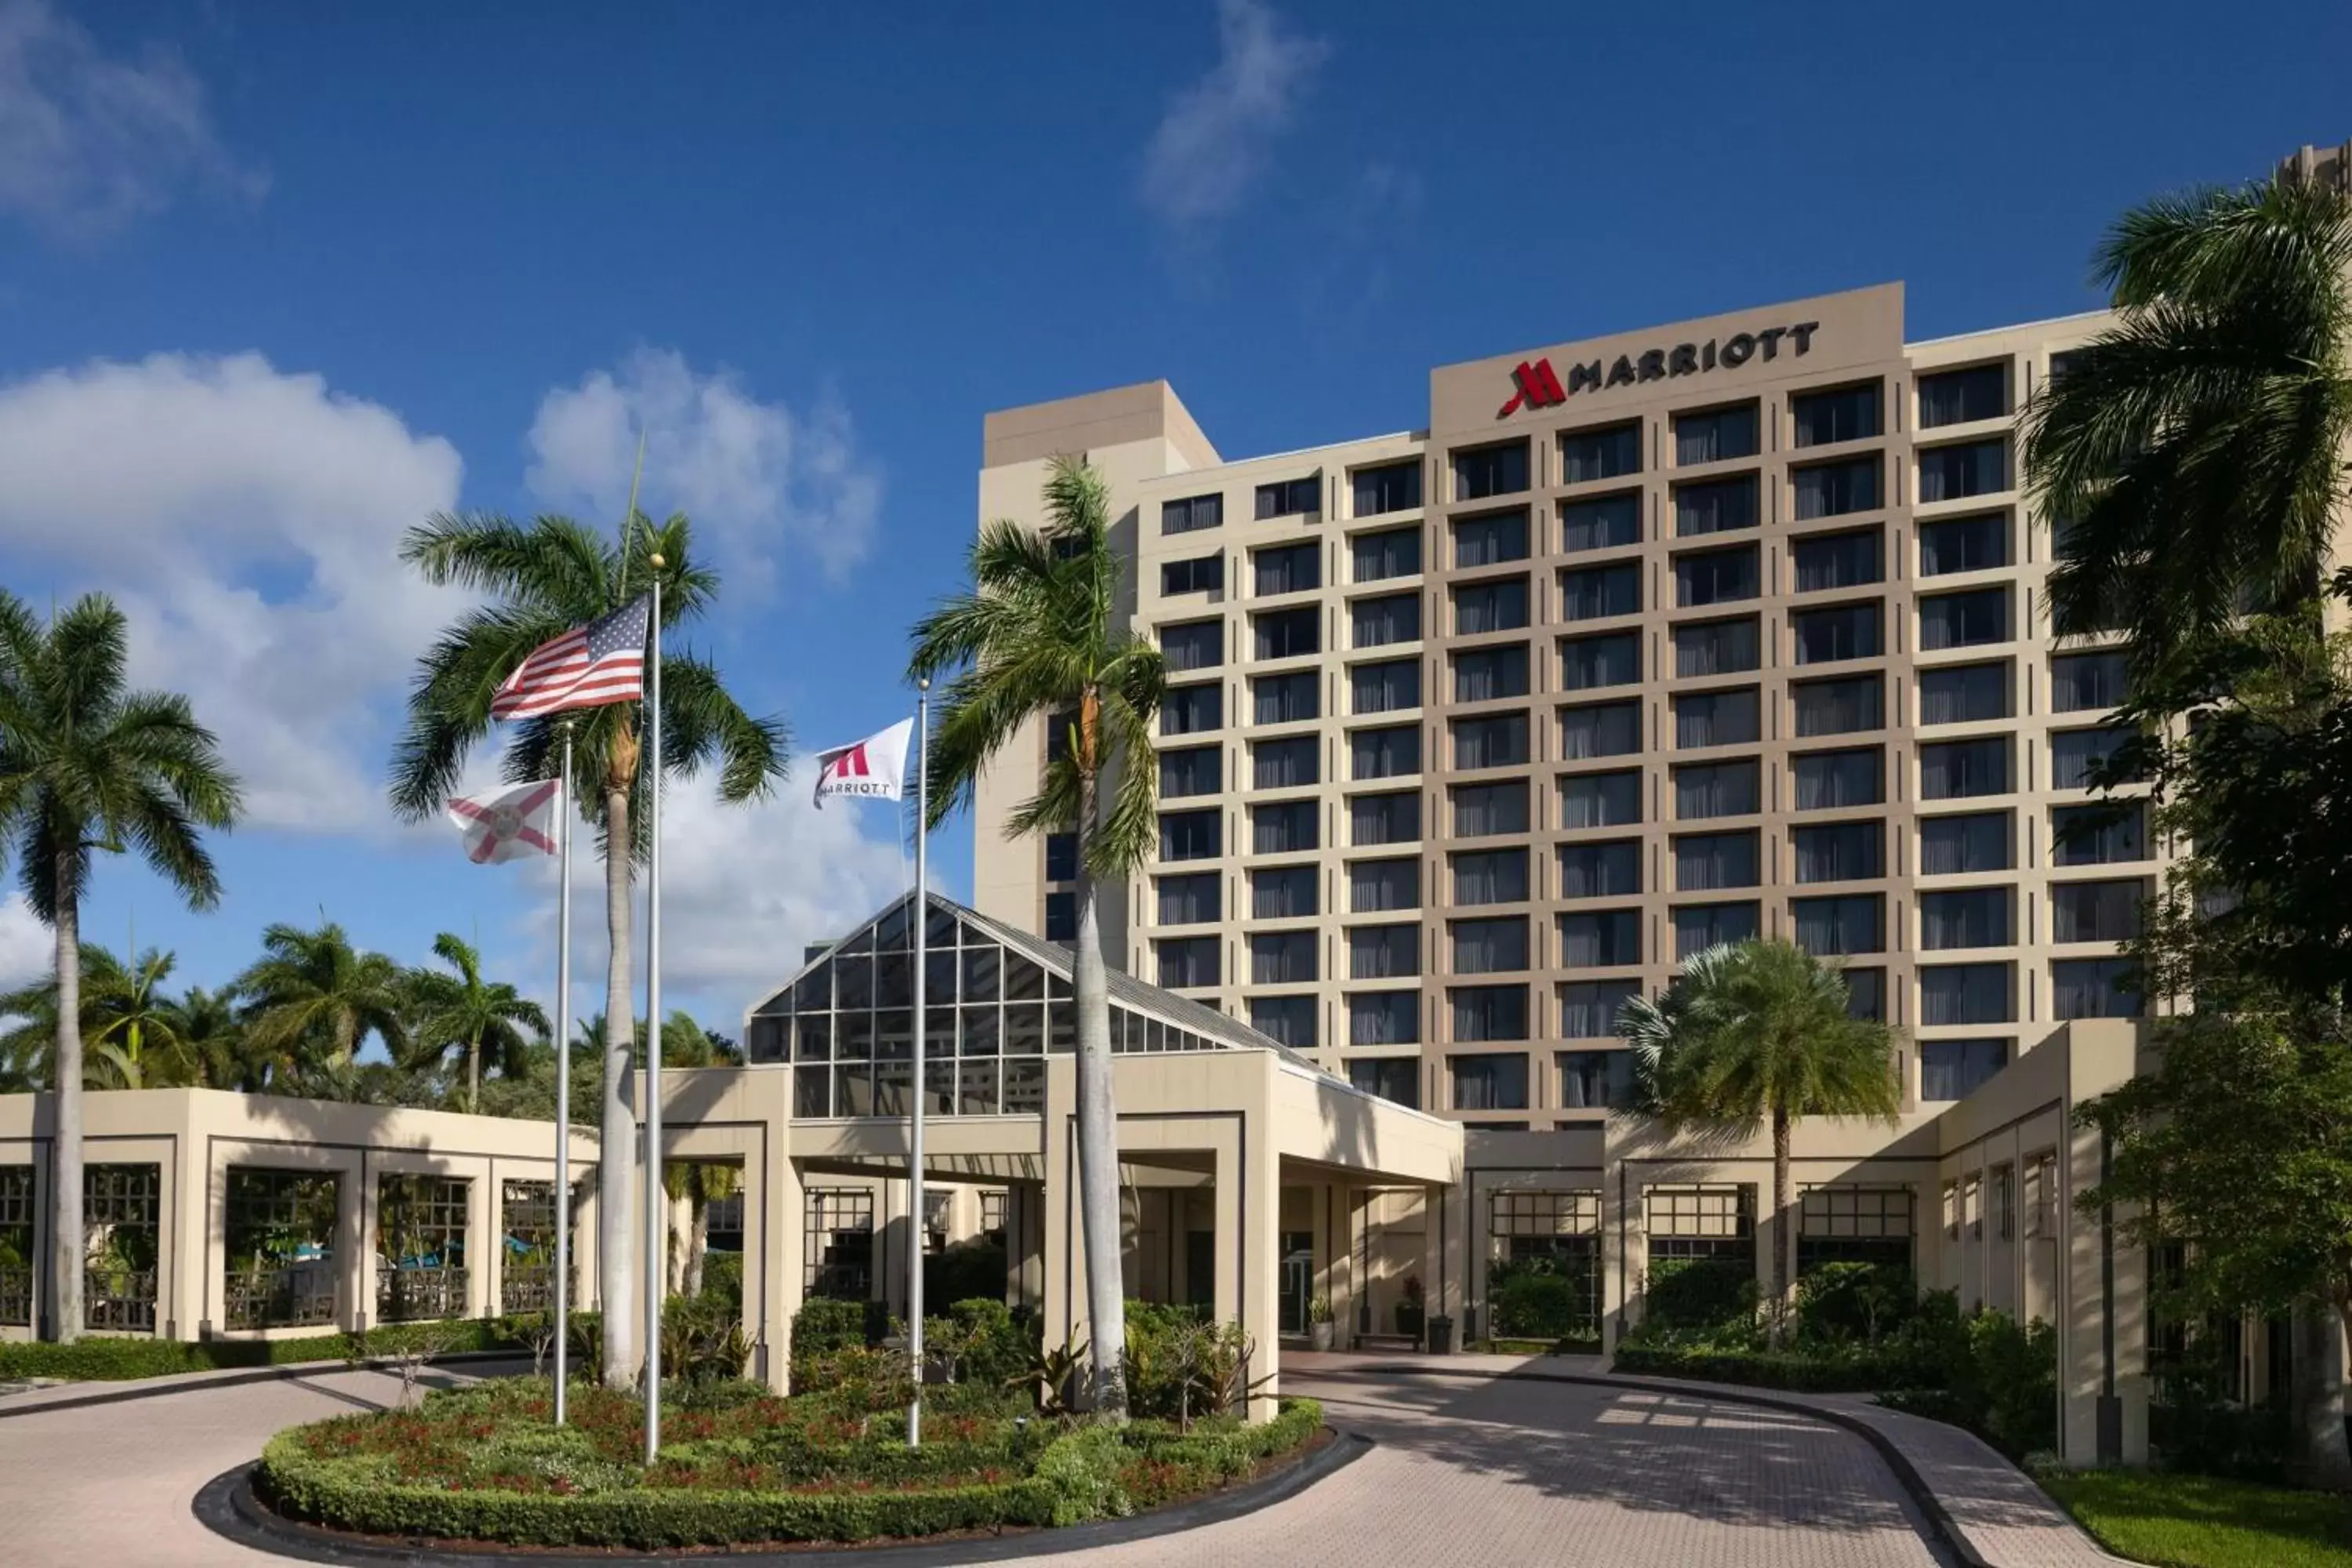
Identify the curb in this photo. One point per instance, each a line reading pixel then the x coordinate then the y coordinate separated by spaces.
pixel 237 1377
pixel 226 1506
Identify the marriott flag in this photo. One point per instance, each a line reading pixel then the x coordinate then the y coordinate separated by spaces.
pixel 873 768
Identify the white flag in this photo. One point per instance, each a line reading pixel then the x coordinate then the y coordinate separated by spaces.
pixel 514 822
pixel 873 768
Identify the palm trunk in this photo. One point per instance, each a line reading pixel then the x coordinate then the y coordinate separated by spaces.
pixel 1098 1197
pixel 474 1075
pixel 698 1242
pixel 2320 1458
pixel 65 1157
pixel 617 1145
pixel 1777 1319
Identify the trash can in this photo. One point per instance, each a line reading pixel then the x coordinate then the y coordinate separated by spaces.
pixel 1441 1335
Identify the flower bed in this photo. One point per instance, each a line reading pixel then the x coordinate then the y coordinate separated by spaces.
pixel 740 1466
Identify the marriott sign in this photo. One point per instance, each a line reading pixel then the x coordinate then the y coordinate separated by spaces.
pixel 1537 385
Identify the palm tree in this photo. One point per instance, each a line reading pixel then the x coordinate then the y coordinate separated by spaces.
pixel 547 577
pixel 464 1009
pixel 1039 635
pixel 130 1031
pixel 314 1000
pixel 87 764
pixel 212 1032
pixel 2192 457
pixel 1754 1033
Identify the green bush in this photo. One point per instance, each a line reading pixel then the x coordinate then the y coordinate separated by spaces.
pixel 966 1271
pixel 996 1346
pixel 1699 1293
pixel 722 1278
pixel 823 1327
pixel 1537 1303
pixel 1838 1302
pixel 2193 1427
pixel 115 1360
pixel 1816 1371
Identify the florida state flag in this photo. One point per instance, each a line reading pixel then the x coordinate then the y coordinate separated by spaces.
pixel 513 823
pixel 873 768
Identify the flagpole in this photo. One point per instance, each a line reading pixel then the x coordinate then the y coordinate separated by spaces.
pixel 918 1229
pixel 657 1209
pixel 563 1082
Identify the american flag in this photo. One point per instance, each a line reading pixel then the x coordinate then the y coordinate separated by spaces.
pixel 603 661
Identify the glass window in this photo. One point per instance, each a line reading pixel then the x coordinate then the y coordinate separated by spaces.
pixel 1489 1012
pixel 1595 1080
pixel 1200 574
pixel 2098 834
pixel 1374 886
pixel 1289 634
pixel 1964 694
pixel 1840 851
pixel 1716 435
pixel 1198 770
pixel 1499 741
pixel 1826 781
pixel 1834 490
pixel 1604 522
pixel 1601 591
pixel 1491 540
pixel 1283 958
pixel 2094 988
pixel 1838 632
pixel 1714 648
pixel 1393 1078
pixel 1289 829
pixel 1385 753
pixel 1954 1069
pixel 1497 606
pixel 1599 730
pixel 1289 498
pixel 1392 487
pixel 1287 764
pixel 1384 952
pixel 1601 871
pixel 1965 993
pixel 1714 719
pixel 1390 553
pixel 1394 618
pixel 2087 680
pixel 1967 917
pixel 1190 899
pixel 1384 688
pixel 1282 892
pixel 1840 414
pixel 1866 993
pixel 1191 515
pixel 1490 1082
pixel 1827 927
pixel 1588 455
pixel 1716 578
pixel 1195 645
pixel 1487 673
pixel 2096 911
pixel 1963 620
pixel 2076 755
pixel 1588 1008
pixel 1975 543
pixel 1704 862
pixel 1287 699
pixel 1385 1019
pixel 1489 946
pixel 1189 835
pixel 1496 470
pixel 1285 1020
pixel 1837 560
pixel 1963 397
pixel 1483 811
pixel 1601 939
pixel 1187 961
pixel 1599 800
pixel 1717 506
pixel 1490 877
pixel 1192 710
pixel 1701 926
pixel 1614 659
pixel 1840 707
pixel 1972 468
pixel 1384 818
pixel 1952 770
pixel 1953 845
pixel 1061 856
pixel 1291 569
pixel 1718 789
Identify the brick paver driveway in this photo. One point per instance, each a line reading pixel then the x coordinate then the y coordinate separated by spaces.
pixel 1469 1469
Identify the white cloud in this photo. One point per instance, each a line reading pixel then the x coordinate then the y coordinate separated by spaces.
pixel 760 478
pixel 1212 144
pixel 246 521
pixel 25 944
pixel 89 143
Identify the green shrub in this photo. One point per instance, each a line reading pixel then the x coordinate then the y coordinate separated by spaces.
pixel 1533 1304
pixel 1853 1301
pixel 823 1326
pixel 722 1278
pixel 1817 1371
pixel 966 1271
pixel 2193 1427
pixel 996 1346
pixel 115 1360
pixel 1699 1293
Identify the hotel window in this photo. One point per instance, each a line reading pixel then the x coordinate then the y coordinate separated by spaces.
pixel 1716 719
pixel 1200 574
pixel 1827 781
pixel 1964 544
pixel 1840 851
pixel 1708 862
pixel 1189 835
pixel 1199 770
pixel 1829 927
pixel 1195 645
pixel 1486 811
pixel 1698 926
pixel 1193 709
pixel 1717 789
pixel 1717 577
pixel 1588 1008
pixel 1963 397
pixel 1715 648
pixel 1384 688
pixel 1189 900
pixel 2098 834
pixel 1289 498
pixel 2076 755
pixel 1599 800
pixel 1959 846
pixel 1841 414
pixel 1285 1020
pixel 1291 827
pixel 1287 699
pixel 1498 1082
pixel 1595 1080
pixel 1588 455
pixel 2096 911
pixel 1489 877
pixel 1392 619
pixel 1866 993
pixel 1954 770
pixel 1490 946
pixel 1489 1013
pixel 1826 560
pixel 1972 468
pixel 1497 606
pixel 1601 871
pixel 1193 514
pixel 1716 436
pixel 1964 694
pixel 1967 917
pixel 1586 663
pixel 1292 569
pixel 1717 506
pixel 1283 894
pixel 1599 730
pixel 1963 620
pixel 1287 764
pixel 1385 753
pixel 1500 742
pixel 1187 962
pixel 1384 818
pixel 1496 470
pixel 1289 634
pixel 1393 1078
pixel 1604 522
pixel 1284 958
pixel 1384 952
pixel 1385 1019
pixel 1965 993
pixel 1599 591
pixel 1834 490
pixel 1390 553
pixel 1838 632
pixel 1954 1069
pixel 2094 988
pixel 1490 674
pixel 1375 887
pixel 1491 540
pixel 1061 856
pixel 1062 917
pixel 1842 707
pixel 1603 939
pixel 2081 682
pixel 1392 487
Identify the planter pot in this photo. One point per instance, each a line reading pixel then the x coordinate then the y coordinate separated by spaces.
pixel 1319 1335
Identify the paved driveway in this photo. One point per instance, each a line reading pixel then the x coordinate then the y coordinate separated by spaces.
pixel 1469 1469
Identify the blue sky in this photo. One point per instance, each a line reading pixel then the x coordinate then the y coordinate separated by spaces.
pixel 274 283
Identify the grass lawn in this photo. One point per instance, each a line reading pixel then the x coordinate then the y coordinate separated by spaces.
pixel 2196 1522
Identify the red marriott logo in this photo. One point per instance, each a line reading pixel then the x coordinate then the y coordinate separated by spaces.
pixel 850 764
pixel 1539 388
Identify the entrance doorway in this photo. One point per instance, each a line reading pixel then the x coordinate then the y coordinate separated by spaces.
pixel 1297 1279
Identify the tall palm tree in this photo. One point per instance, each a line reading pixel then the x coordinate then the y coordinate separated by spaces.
pixel 1758 1033
pixel 1039 635
pixel 546 577
pixel 88 764
pixel 463 1010
pixel 313 999
pixel 212 1032
pixel 130 1029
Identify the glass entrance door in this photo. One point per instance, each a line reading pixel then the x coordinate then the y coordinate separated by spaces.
pixel 1297 1279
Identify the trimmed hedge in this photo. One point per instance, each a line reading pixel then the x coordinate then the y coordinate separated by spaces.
pixel 114 1360
pixel 1799 1372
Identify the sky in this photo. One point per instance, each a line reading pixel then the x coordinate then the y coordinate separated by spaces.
pixel 277 283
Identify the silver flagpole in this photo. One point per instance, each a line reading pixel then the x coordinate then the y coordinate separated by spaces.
pixel 656 1208
pixel 563 1082
pixel 918 1229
